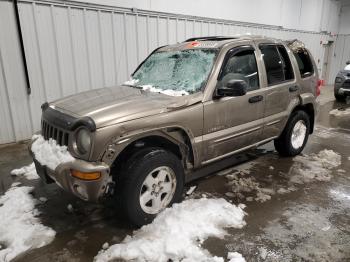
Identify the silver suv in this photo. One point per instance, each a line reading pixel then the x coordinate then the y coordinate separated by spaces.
pixel 186 106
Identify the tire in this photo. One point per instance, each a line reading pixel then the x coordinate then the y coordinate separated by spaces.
pixel 138 182
pixel 288 146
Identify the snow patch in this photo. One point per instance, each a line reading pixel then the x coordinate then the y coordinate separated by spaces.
pixel 340 112
pixel 312 167
pixel 177 233
pixel 150 88
pixel 49 153
pixel 20 229
pixel 28 172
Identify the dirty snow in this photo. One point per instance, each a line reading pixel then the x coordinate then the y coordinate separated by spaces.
pixel 28 172
pixel 49 153
pixel 305 231
pixel 306 168
pixel 340 112
pixel 177 233
pixel 313 167
pixel 20 229
pixel 241 185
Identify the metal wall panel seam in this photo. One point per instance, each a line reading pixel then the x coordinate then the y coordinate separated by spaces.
pixel 56 50
pixel 147 34
pixel 7 97
pixel 126 46
pixel 72 48
pixel 114 50
pixel 137 38
pixel 87 50
pixel 39 50
pixel 100 45
pixel 158 33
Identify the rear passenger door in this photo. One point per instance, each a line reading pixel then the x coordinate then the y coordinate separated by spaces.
pixel 280 90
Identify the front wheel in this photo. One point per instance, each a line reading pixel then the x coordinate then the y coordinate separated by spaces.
pixel 153 179
pixel 295 135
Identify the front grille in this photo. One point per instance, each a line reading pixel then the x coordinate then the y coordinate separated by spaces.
pixel 49 131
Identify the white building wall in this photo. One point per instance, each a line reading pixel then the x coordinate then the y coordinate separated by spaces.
pixel 72 47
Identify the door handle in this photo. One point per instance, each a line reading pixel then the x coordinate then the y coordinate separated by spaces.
pixel 293 88
pixel 255 99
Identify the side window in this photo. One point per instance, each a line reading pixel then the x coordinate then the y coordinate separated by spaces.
pixel 277 64
pixel 241 66
pixel 304 63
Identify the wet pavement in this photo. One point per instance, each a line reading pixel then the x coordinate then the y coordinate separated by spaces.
pixel 309 223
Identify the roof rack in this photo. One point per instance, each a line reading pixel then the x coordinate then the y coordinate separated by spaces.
pixel 210 38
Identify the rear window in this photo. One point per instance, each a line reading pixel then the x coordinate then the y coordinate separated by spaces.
pixel 277 64
pixel 304 63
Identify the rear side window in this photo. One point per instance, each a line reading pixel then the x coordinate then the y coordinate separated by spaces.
pixel 277 64
pixel 304 63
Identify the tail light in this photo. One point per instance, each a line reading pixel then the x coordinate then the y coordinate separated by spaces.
pixel 318 88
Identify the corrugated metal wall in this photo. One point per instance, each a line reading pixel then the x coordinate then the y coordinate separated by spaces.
pixel 341 54
pixel 73 47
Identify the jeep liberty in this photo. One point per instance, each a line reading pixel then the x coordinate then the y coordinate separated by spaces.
pixel 186 106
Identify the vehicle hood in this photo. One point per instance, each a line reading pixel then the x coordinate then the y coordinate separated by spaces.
pixel 344 73
pixel 111 105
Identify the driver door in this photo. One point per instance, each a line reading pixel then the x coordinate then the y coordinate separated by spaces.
pixel 234 123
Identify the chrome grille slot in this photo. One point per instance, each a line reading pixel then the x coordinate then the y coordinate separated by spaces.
pixel 49 131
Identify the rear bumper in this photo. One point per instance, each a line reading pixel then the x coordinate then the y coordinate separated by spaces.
pixel 89 190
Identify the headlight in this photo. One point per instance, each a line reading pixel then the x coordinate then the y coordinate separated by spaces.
pixel 83 140
pixel 338 80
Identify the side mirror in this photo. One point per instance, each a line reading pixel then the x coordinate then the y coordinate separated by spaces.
pixel 232 88
pixel 348 62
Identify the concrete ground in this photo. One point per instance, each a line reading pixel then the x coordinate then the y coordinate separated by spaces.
pixel 311 223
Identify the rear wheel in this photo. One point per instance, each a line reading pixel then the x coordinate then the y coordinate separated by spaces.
pixel 152 180
pixel 295 135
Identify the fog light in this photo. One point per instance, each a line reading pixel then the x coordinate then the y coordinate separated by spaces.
pixel 86 176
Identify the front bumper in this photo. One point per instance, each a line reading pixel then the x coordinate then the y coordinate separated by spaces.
pixel 343 91
pixel 89 190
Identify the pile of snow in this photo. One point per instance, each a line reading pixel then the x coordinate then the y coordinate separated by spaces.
pixel 312 167
pixel 28 172
pixel 340 112
pixel 49 153
pixel 176 233
pixel 151 88
pixel 20 229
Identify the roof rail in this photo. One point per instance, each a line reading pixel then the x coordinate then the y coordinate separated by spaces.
pixel 210 38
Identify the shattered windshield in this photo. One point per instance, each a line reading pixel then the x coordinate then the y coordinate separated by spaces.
pixel 175 72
